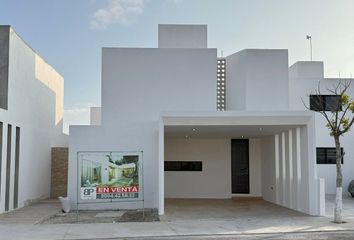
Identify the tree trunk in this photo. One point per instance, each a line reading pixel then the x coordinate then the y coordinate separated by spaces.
pixel 338 205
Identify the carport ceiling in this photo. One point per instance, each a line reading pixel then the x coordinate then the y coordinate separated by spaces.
pixel 225 131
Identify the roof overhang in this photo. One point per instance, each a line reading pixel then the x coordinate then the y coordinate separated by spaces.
pixel 232 124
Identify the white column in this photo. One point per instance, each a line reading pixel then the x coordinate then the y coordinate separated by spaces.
pixel 290 168
pixel 298 170
pixel 322 198
pixel 161 177
pixel 12 167
pixel 307 177
pixel 283 168
pixel 277 180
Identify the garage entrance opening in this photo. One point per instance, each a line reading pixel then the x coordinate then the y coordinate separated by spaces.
pixel 231 154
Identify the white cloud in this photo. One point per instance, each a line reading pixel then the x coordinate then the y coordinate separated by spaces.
pixel 117 12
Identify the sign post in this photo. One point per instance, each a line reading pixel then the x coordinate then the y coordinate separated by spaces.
pixel 110 176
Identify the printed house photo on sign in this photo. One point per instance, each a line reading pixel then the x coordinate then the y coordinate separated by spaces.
pixel 109 175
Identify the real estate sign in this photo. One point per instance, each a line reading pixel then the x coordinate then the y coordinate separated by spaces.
pixel 110 175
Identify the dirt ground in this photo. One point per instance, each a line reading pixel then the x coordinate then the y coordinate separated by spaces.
pixel 102 216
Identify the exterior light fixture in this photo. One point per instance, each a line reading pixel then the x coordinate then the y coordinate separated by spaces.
pixel 260 129
pixel 194 129
pixel 242 136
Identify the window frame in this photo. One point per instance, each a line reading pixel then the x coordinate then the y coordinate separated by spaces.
pixel 183 166
pixel 326 161
pixel 322 106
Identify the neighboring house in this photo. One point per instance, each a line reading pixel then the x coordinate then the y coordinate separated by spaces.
pixel 31 118
pixel 209 127
pixel 304 79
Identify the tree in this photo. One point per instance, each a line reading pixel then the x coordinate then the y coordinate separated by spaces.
pixel 339 117
pixel 110 158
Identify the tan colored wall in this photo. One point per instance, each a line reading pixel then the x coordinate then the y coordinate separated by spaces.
pixel 59 176
pixel 51 78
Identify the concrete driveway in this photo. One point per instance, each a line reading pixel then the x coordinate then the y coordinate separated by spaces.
pixel 224 209
pixel 220 220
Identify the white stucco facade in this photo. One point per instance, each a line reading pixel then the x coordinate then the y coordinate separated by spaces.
pixel 137 128
pixel 95 116
pixel 162 101
pixel 30 124
pixel 305 78
pixel 182 36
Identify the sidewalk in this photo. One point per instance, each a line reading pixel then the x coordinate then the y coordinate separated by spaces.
pixel 261 224
pixel 176 228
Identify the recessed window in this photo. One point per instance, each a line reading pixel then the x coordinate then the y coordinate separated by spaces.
pixel 17 162
pixel 1 146
pixel 325 103
pixel 8 167
pixel 193 166
pixel 327 155
pixel 4 69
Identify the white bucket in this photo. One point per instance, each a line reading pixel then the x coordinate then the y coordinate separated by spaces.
pixel 65 204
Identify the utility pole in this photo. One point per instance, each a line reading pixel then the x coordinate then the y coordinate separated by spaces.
pixel 308 37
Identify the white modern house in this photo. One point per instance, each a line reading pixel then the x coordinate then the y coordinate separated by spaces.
pixel 31 114
pixel 211 127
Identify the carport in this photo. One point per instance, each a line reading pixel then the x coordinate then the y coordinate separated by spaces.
pixel 267 156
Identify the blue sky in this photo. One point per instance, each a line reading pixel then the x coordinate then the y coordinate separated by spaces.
pixel 69 34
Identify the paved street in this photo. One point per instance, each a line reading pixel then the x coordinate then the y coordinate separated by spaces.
pixel 342 235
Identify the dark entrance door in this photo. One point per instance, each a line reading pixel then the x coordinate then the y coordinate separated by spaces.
pixel 240 166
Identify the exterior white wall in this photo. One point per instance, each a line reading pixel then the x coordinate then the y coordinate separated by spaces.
pixel 269 169
pixel 255 167
pixel 236 72
pixel 35 104
pixel 289 178
pixel 215 179
pixel 182 36
pixel 305 78
pixel 95 116
pixel 307 69
pixel 137 84
pixel 167 80
pixel 253 70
